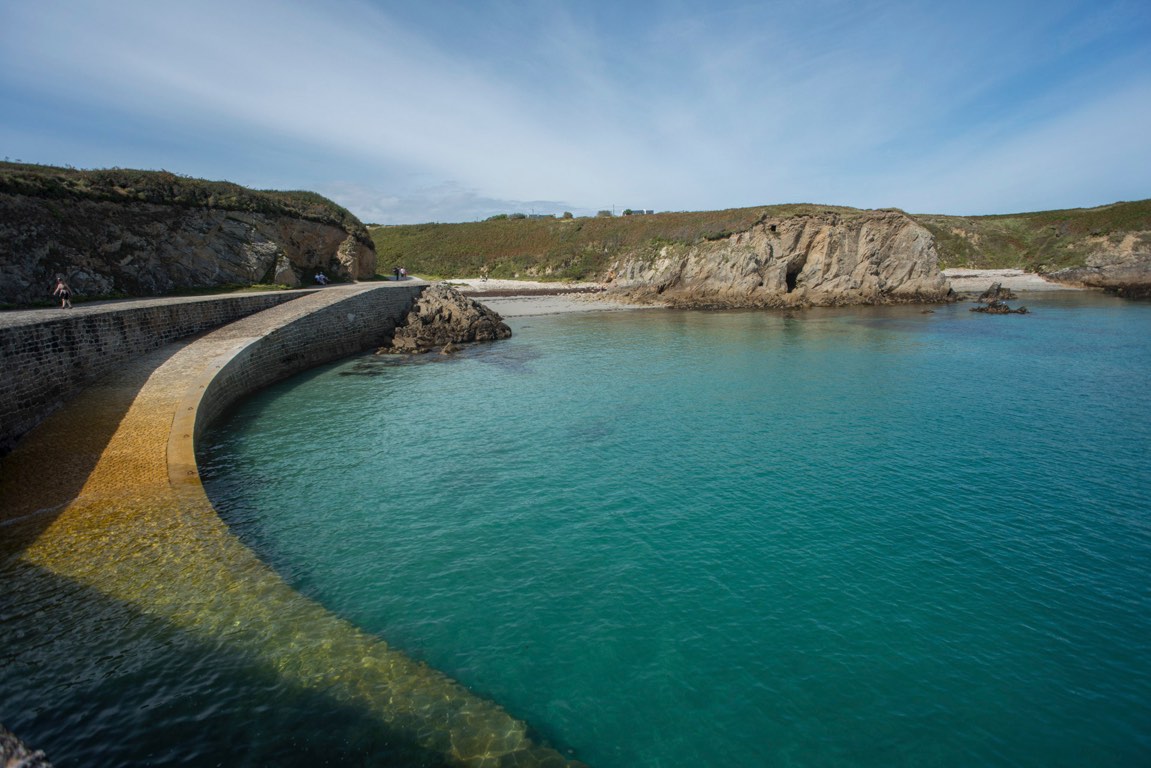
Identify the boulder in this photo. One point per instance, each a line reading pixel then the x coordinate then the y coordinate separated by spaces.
pixel 996 307
pixel 16 754
pixel 444 318
pixel 996 293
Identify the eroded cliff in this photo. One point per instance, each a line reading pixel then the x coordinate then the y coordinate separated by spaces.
pixel 1106 247
pixel 823 258
pixel 1119 263
pixel 148 233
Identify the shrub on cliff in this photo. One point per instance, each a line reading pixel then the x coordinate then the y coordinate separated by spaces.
pixel 166 188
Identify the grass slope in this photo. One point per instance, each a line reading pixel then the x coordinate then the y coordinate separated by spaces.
pixel 558 249
pixel 575 249
pixel 1039 242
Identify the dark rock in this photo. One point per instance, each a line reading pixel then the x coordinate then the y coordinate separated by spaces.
pixel 997 307
pixel 107 248
pixel 15 754
pixel 996 293
pixel 444 318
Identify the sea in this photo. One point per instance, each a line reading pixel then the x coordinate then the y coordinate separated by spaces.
pixel 866 536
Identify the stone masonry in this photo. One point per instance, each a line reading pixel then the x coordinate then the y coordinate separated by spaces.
pixel 46 355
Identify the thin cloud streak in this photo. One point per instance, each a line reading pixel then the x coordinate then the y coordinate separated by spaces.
pixel 450 111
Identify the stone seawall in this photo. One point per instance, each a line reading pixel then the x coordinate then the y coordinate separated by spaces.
pixel 302 335
pixel 126 518
pixel 48 354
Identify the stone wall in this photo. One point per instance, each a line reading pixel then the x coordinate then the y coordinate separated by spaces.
pixel 48 354
pixel 293 338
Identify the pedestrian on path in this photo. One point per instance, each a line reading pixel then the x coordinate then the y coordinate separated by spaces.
pixel 64 292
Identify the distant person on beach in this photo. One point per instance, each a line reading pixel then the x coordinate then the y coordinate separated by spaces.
pixel 321 278
pixel 64 292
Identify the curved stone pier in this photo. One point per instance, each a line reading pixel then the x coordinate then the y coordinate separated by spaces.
pixel 124 515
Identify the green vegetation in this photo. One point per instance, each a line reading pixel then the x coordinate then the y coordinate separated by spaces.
pixel 577 249
pixel 1042 242
pixel 569 248
pixel 556 249
pixel 122 185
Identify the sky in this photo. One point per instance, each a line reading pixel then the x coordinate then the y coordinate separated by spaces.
pixel 456 110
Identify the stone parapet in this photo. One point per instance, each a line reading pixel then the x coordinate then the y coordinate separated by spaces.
pixel 264 348
pixel 47 355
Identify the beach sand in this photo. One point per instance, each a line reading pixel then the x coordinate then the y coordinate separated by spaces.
pixel 979 280
pixel 525 298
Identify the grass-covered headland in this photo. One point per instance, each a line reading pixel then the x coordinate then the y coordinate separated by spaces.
pixel 582 248
pixel 557 248
pixel 123 185
pixel 1044 241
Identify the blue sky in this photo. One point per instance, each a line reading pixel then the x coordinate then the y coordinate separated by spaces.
pixel 448 110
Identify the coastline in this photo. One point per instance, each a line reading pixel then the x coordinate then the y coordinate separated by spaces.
pixel 979 280
pixel 527 298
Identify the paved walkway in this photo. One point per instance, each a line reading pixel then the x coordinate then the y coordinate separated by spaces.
pixel 18 317
pixel 88 497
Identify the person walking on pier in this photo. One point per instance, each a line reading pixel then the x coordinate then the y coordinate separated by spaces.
pixel 64 292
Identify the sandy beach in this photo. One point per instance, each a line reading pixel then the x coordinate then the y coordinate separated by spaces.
pixel 979 280
pixel 525 298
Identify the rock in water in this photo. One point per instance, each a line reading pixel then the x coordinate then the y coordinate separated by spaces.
pixel 996 293
pixel 997 307
pixel 15 754
pixel 443 317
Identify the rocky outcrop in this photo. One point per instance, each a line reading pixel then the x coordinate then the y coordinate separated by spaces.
pixel 828 258
pixel 1119 263
pixel 442 318
pixel 996 292
pixel 997 307
pixel 108 248
pixel 15 754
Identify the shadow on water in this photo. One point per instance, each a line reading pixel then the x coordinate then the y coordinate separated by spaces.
pixel 92 681
pixel 101 556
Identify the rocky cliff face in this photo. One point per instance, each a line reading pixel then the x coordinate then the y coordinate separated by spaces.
pixel 1119 263
pixel 825 259
pixel 141 249
pixel 443 317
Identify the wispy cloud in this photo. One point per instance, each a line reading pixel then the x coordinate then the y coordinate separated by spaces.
pixel 454 110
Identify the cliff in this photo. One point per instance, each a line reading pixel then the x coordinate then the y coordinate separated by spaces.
pixel 1120 264
pixel 134 233
pixel 1106 247
pixel 823 258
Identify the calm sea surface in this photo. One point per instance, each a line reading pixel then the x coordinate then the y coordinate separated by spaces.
pixel 869 536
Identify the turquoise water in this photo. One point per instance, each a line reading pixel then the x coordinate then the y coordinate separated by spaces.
pixel 869 536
